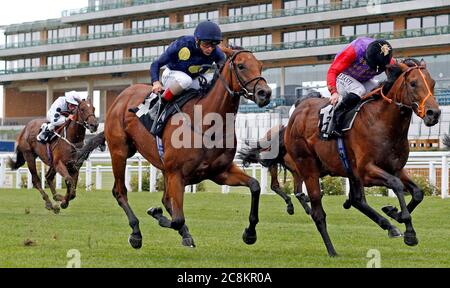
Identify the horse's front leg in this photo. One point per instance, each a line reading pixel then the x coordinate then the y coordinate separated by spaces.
pixel 62 170
pixel 49 177
pixel 376 176
pixel 235 176
pixel 416 193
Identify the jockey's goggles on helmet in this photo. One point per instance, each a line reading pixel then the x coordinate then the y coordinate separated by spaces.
pixel 209 43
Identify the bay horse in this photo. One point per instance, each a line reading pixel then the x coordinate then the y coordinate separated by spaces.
pixel 251 154
pixel 377 147
pixel 60 156
pixel 182 166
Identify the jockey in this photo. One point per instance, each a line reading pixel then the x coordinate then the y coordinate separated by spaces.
pixel 352 73
pixel 184 59
pixel 60 111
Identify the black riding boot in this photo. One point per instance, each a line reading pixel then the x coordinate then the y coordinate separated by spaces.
pixel 155 113
pixel 348 102
pixel 156 110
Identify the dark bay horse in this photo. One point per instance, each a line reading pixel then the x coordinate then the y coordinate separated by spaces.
pixel 190 163
pixel 377 147
pixel 63 154
pixel 252 154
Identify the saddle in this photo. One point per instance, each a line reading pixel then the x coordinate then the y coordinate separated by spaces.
pixel 169 110
pixel 326 116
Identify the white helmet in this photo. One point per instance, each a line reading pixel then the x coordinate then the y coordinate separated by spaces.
pixel 72 97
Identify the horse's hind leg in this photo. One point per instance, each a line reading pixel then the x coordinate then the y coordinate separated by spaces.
pixel 119 160
pixel 236 177
pixel 31 161
pixel 275 186
pixel 49 177
pixel 358 200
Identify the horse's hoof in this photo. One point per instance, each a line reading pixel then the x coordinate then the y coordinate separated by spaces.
pixel 290 209
pixel 73 196
pixel 154 212
pixel 56 209
pixel 347 205
pixel 49 206
pixel 389 210
pixel 249 238
pixel 410 239
pixel 307 210
pixel 64 204
pixel 333 254
pixel 188 242
pixel 394 232
pixel 135 242
pixel 58 198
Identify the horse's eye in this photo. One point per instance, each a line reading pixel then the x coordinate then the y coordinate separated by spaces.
pixel 413 84
pixel 241 66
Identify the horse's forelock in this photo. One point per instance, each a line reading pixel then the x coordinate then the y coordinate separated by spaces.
pixel 410 62
pixel 393 72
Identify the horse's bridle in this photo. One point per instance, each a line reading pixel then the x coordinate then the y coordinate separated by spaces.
pixel 84 123
pixel 243 91
pixel 420 107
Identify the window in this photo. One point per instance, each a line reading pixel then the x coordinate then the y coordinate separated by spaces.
pixel 246 10
pixel 106 28
pixel 348 31
pixel 427 21
pixel 365 29
pixel 154 51
pixel 196 17
pixel 304 3
pixel 63 33
pixel 63 60
pixel 249 41
pixel 106 55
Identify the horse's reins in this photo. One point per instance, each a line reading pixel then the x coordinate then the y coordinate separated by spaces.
pixel 397 83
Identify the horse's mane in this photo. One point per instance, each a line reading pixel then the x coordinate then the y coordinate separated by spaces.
pixel 394 71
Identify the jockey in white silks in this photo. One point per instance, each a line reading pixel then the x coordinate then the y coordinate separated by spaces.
pixel 60 111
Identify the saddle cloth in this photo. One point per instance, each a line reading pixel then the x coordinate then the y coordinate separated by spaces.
pixel 171 108
pixel 326 116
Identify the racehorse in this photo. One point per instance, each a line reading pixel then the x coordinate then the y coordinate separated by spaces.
pixel 181 166
pixel 59 154
pixel 252 154
pixel 377 147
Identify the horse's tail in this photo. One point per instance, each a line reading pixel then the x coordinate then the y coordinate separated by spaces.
pixel 446 141
pixel 250 155
pixel 86 150
pixel 20 160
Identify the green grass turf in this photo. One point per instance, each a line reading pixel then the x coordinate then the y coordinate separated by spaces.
pixel 96 226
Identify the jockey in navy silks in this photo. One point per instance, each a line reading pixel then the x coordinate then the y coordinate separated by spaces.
pixel 184 60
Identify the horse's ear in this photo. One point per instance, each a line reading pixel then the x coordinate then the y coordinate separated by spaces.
pixel 423 63
pixel 227 50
